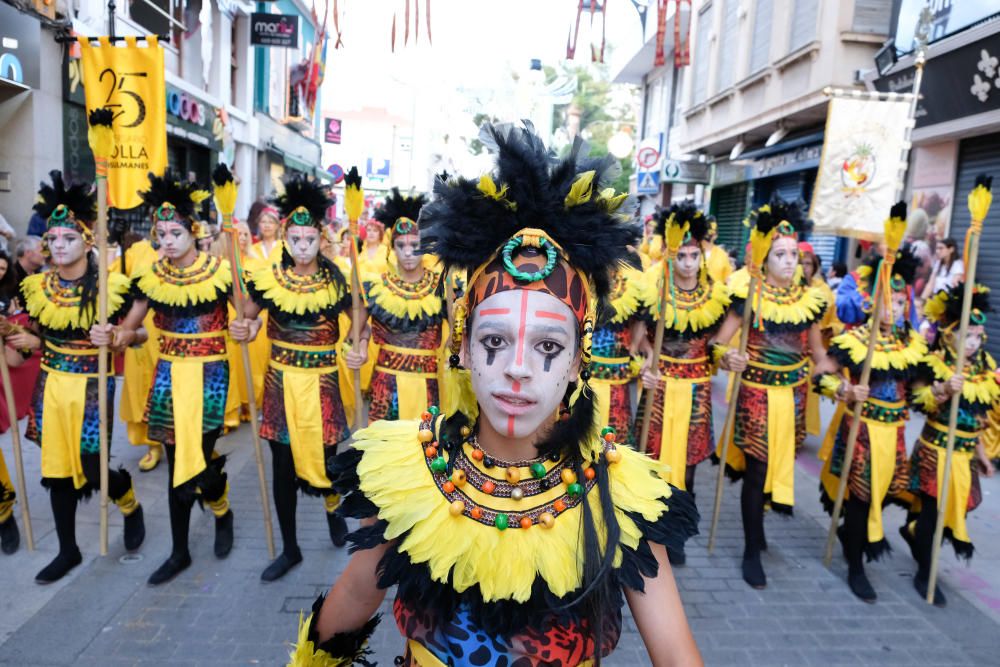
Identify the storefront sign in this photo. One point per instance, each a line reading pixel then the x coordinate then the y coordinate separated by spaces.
pixel 956 84
pixel 193 119
pixel 274 30
pixel 685 171
pixel 331 133
pixel 805 157
pixel 20 36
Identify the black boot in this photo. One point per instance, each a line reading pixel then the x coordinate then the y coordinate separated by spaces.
pixel 135 530
pixel 171 567
pixel 853 536
pixel 752 513
pixel 59 567
pixel 224 534
pixel 338 529
pixel 281 565
pixel 753 571
pixel 921 582
pixel 909 538
pixel 10 538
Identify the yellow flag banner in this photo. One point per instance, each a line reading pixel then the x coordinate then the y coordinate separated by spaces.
pixel 129 81
pixel 860 167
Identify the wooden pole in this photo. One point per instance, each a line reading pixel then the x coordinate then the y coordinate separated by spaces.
pixel 101 234
pixel 730 424
pixel 356 324
pixel 852 433
pixel 15 437
pixel 661 324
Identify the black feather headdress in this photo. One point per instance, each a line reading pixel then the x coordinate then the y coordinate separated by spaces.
pixel 303 195
pixel 684 212
pixel 67 206
pixel 401 210
pixel 904 267
pixel 778 211
pixel 170 198
pixel 945 307
pixel 470 221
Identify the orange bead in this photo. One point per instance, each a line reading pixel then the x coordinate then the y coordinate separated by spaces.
pixel 559 506
pixel 430 451
pixel 568 476
pixel 488 487
pixel 525 523
pixel 458 478
pixel 477 454
pixel 590 473
pixel 546 520
pixel 448 487
pixel 476 513
pixel 426 416
pixel 609 437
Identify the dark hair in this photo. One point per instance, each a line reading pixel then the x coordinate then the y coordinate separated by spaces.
pixel 8 283
pixel 254 215
pixel 949 243
pixel 839 269
pixel 88 289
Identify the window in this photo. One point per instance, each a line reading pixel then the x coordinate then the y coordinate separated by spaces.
pixel 702 52
pixel 804 17
pixel 760 48
pixel 728 44
pixel 160 17
pixel 872 16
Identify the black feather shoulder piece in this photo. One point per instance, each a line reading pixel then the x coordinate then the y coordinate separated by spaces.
pixel 183 196
pixel 397 206
pixel 568 199
pixel 307 193
pixel 79 198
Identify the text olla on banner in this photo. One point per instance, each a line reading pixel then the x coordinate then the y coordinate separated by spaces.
pixel 129 81
pixel 860 166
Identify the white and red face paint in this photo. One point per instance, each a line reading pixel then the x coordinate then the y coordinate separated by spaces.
pixel 303 243
pixel 174 238
pixel 407 249
pixel 522 352
pixel 66 246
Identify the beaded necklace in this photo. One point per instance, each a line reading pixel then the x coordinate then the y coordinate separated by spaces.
pixel 406 290
pixel 299 284
pixel 203 267
pixel 66 295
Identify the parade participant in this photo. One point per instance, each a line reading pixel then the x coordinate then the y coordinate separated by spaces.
pixel 140 362
pixel 512 538
pixel 680 431
pixel 937 381
pixel 268 248
pixel 188 292
pixel 374 255
pixel 63 418
pixel 829 325
pixel 716 258
pixel 407 312
pixel 770 410
pixel 878 470
pixel 303 417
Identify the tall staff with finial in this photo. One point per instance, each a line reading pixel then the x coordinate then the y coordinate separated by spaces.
pixel 102 139
pixel 225 201
pixel 980 200
pixel 354 204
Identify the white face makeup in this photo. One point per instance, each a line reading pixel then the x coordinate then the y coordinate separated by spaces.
pixel 899 307
pixel 66 245
pixel 303 243
pixel 268 227
pixel 974 338
pixel 175 240
pixel 407 248
pixel 522 350
pixel 783 259
pixel 688 261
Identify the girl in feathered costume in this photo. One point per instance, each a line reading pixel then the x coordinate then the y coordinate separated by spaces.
pixel 770 417
pixel 407 314
pixel 680 433
pixel 64 415
pixel 304 295
pixel 511 538
pixel 936 382
pixel 188 292
pixel 879 469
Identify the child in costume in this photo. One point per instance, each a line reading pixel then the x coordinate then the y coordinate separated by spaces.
pixel 303 417
pixel 936 382
pixel 64 417
pixel 680 430
pixel 878 470
pixel 188 292
pixel 770 411
pixel 407 311
pixel 512 538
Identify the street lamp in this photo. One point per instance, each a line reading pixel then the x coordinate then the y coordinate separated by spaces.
pixel 620 144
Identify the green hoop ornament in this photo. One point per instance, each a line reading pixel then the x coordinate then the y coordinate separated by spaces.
pixel 300 217
pixel 166 211
pixel 551 256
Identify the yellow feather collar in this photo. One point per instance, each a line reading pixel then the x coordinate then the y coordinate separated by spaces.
pixel 980 384
pixel 698 310
pixel 295 294
pixel 394 475
pixel 408 301
pixel 202 282
pixel 58 308
pixel 630 291
pixel 795 305
pixel 891 353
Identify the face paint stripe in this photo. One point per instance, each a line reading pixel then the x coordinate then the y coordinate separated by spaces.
pixel 522 327
pixel 494 311
pixel 550 315
pixel 510 426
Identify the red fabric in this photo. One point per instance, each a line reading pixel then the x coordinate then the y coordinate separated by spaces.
pixel 22 379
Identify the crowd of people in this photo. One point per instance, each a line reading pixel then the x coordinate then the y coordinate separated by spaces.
pixel 536 382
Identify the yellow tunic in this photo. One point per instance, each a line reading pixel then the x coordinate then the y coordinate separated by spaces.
pixel 139 362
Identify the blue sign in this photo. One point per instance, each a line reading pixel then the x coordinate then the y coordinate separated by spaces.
pixel 337 172
pixel 647 182
pixel 377 169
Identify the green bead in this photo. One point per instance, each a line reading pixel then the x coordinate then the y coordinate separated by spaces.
pixel 433 410
pixel 574 490
pixel 501 521
pixel 439 464
pixel 606 430
pixel 538 470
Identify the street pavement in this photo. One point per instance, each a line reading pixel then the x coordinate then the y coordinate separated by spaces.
pixel 219 613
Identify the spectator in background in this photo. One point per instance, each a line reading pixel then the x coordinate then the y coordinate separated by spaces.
pixel 6 235
pixel 36 226
pixel 29 257
pixel 8 286
pixel 948 268
pixel 836 274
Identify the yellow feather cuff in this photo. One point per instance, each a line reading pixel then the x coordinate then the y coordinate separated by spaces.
pixel 829 384
pixel 924 399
